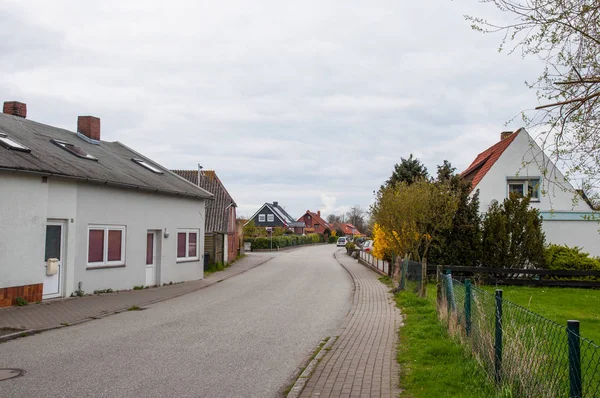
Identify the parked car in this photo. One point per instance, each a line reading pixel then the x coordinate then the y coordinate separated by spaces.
pixel 341 241
pixel 367 246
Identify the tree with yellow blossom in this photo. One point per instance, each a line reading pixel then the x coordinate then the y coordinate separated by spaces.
pixel 410 216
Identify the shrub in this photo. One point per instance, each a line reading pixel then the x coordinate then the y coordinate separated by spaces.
pixel 20 301
pixel 563 257
pixel 332 239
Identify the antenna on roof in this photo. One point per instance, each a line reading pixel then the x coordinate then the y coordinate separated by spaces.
pixel 199 172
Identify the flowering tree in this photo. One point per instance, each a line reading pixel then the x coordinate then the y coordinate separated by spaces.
pixel 411 216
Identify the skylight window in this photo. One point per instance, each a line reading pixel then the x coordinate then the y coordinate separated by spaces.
pixel 147 165
pixel 9 143
pixel 74 149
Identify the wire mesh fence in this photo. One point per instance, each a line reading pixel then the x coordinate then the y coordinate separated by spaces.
pixel 520 350
pixel 411 275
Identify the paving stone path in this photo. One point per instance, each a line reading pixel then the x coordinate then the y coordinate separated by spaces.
pixel 62 312
pixel 362 362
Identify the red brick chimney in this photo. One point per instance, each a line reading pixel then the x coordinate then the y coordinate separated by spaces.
pixel 89 126
pixel 319 213
pixel 505 134
pixel 15 108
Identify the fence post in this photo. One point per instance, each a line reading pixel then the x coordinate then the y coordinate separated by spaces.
pixel 404 265
pixel 439 284
pixel 468 307
pixel 574 359
pixel 448 278
pixel 498 342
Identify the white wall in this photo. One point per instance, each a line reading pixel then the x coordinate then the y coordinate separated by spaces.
pixel 23 209
pixel 524 158
pixel 574 233
pixel 139 212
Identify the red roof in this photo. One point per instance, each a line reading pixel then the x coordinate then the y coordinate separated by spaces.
pixel 485 160
pixel 348 229
pixel 316 217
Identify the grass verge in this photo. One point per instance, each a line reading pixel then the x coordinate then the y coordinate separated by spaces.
pixel 432 364
pixel 559 305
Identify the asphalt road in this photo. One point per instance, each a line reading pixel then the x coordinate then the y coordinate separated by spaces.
pixel 244 337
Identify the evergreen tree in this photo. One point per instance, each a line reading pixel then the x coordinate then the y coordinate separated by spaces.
pixel 408 171
pixel 512 235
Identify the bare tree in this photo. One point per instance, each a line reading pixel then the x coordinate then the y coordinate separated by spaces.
pixel 356 216
pixel 565 34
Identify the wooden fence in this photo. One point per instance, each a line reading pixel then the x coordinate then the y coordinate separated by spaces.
pixel 524 277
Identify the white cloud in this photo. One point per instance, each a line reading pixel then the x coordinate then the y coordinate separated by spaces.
pixel 308 103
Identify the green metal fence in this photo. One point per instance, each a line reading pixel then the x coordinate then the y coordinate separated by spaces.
pixel 520 350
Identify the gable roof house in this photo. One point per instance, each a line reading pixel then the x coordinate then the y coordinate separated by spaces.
pixel 314 223
pixel 516 164
pixel 347 229
pixel 273 215
pixel 81 213
pixel 221 242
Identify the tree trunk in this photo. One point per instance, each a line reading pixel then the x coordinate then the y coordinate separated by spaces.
pixel 423 292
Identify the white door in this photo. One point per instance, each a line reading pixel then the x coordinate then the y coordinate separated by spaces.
pixel 54 249
pixel 150 258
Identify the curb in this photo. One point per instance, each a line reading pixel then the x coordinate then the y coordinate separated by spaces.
pixel 30 332
pixel 310 368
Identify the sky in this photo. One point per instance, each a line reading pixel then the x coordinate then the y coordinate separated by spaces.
pixel 309 103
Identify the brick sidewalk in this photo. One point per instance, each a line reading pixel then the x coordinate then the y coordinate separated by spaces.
pixel 51 314
pixel 362 362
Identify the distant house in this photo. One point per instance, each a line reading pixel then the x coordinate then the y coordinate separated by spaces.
pixel 314 223
pixel 347 229
pixel 273 215
pixel 222 239
pixel 79 213
pixel 514 165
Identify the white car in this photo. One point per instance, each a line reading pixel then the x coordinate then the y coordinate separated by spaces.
pixel 367 247
pixel 341 241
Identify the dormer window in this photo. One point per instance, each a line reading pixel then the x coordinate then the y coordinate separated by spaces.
pixel 529 186
pixel 147 165
pixel 74 150
pixel 11 144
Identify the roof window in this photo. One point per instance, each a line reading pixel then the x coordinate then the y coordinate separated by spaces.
pixel 147 165
pixel 74 149
pixel 9 143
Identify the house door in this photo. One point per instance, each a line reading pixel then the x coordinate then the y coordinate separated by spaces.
pixel 54 250
pixel 150 258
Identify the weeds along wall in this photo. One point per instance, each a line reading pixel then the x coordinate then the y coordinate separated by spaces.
pixel 523 353
pixel 284 241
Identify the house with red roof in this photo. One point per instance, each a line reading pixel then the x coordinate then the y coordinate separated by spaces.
pixel 347 229
pixel 517 164
pixel 314 223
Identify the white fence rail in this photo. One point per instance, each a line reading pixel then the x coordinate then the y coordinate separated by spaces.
pixel 374 262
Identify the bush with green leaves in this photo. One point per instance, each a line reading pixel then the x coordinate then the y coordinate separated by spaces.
pixel 283 241
pixel 332 239
pixel 563 257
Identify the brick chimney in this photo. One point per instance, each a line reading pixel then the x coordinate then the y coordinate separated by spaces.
pixel 15 108
pixel 505 134
pixel 89 126
pixel 319 213
pixel 275 204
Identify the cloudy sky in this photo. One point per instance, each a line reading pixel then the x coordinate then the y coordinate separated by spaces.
pixel 307 103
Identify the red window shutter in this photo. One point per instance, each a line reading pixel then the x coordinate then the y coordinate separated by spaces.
pixel 114 244
pixel 181 244
pixel 96 246
pixel 193 238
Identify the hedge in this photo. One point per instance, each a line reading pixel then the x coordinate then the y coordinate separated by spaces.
pixel 285 241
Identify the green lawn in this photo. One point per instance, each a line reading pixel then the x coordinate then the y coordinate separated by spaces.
pixel 432 364
pixel 559 305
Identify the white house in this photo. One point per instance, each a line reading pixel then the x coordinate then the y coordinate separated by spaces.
pixel 517 164
pixel 81 213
